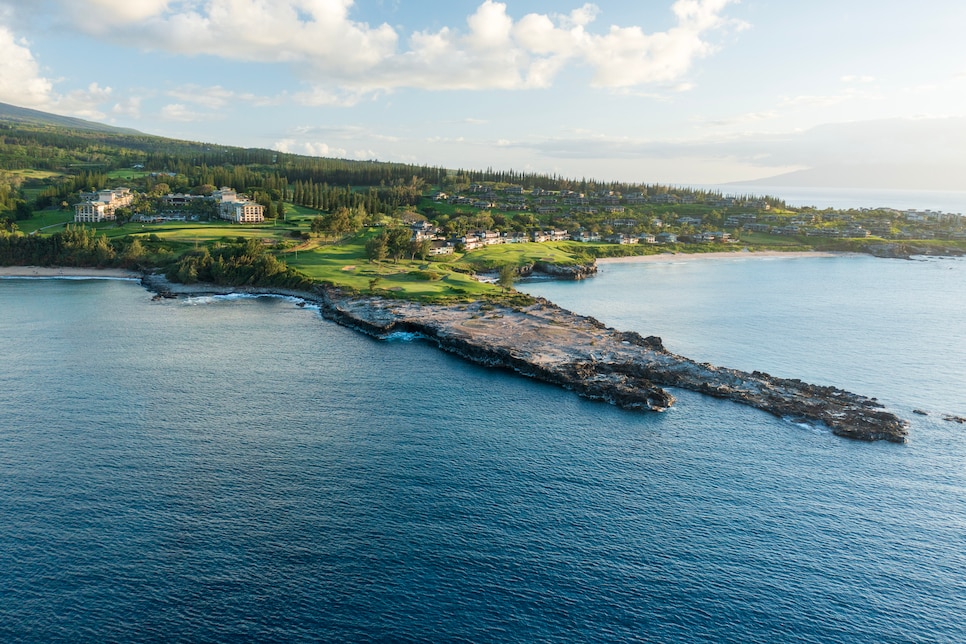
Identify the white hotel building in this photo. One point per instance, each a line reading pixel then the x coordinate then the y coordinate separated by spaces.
pixel 238 210
pixel 100 206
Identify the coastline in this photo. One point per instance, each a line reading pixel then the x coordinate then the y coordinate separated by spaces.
pixel 554 345
pixel 578 353
pixel 56 272
pixel 738 254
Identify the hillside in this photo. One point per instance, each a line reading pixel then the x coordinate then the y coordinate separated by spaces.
pixel 11 114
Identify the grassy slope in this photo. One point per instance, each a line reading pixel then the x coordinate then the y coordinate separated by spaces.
pixel 492 257
pixel 49 220
pixel 345 264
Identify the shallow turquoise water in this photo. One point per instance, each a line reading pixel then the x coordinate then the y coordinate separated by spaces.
pixel 224 468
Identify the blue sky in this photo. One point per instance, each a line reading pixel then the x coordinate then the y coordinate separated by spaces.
pixel 686 91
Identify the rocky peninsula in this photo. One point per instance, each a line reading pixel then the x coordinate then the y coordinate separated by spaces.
pixel 546 342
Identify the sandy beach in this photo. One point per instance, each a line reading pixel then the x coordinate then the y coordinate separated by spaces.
pixel 690 257
pixel 67 272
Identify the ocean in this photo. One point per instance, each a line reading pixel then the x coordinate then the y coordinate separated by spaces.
pixel 231 468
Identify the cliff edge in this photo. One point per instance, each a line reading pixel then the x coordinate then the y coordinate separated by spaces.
pixel 579 353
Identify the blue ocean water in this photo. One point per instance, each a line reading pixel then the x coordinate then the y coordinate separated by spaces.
pixel 218 469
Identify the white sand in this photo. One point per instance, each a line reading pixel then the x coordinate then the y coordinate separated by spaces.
pixel 689 257
pixel 47 271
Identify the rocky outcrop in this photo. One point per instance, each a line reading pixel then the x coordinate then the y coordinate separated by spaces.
pixel 904 250
pixel 569 272
pixel 579 353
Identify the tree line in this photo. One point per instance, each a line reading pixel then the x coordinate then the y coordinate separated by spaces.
pixel 75 246
pixel 245 262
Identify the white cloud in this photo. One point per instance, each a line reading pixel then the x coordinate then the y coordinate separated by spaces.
pixel 579 17
pixel 213 98
pixel 285 145
pixel 858 79
pixel 181 112
pixel 318 96
pixel 311 148
pixel 127 11
pixel 21 82
pixel 130 106
pixel 323 44
pixel 218 98
pixel 84 103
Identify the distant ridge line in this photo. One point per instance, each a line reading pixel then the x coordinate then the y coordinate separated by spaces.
pixel 13 114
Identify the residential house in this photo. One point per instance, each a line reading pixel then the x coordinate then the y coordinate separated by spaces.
pixel 621 238
pixel 488 237
pixel 423 230
pixel 585 236
pixel 469 242
pixel 636 199
pixel 626 222
pixel 539 236
pixel 441 247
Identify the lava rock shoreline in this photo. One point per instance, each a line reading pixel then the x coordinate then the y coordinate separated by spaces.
pixel 579 353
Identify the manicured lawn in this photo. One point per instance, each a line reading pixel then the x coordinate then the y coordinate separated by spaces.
pixel 492 257
pixel 44 218
pixel 345 264
pixel 300 212
pixel 198 232
pixel 30 173
pixel 778 242
pixel 127 174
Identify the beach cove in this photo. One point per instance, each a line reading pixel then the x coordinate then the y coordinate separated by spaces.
pixel 737 254
pixel 68 272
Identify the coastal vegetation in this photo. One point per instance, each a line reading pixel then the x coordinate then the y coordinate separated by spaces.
pixel 381 227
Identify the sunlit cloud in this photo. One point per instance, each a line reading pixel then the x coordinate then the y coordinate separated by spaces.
pixel 321 43
pixel 858 79
pixel 21 81
pixel 130 106
pixel 84 103
pixel 182 113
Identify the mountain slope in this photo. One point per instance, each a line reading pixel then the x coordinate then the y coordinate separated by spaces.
pixel 880 176
pixel 25 116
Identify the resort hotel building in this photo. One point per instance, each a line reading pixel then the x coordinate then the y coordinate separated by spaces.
pixel 100 206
